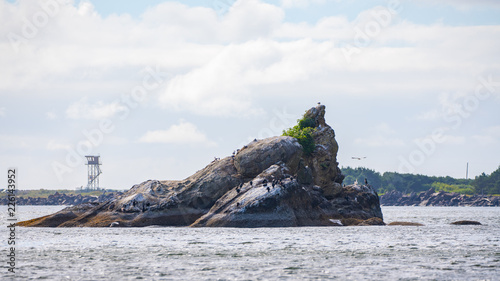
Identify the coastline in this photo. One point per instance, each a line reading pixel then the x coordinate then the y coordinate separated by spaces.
pixel 438 199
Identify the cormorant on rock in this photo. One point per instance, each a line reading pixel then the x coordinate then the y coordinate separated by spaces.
pixel 134 203
pixel 319 103
pixel 254 139
pixel 366 181
pixel 251 183
pixel 265 181
pixel 238 190
pixel 237 204
pixel 268 189
pixel 241 185
pixel 274 184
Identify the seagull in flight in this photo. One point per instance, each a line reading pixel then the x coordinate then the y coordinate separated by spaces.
pixel 358 158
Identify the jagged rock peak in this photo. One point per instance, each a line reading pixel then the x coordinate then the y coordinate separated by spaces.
pixel 317 114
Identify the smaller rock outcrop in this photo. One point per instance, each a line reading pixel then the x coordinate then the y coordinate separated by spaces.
pixel 466 222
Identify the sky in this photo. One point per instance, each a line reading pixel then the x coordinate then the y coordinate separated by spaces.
pixel 158 89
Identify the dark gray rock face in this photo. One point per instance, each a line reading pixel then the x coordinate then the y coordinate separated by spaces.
pixel 268 183
pixel 260 155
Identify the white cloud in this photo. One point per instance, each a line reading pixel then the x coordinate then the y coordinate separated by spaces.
pixel 467 4
pixel 51 115
pixel 493 131
pixel 430 115
pixel 56 145
pixel 24 143
pixel 243 64
pixel 382 135
pixel 491 135
pixel 114 140
pixel 225 85
pixel 182 133
pixel 450 139
pixel 99 110
pixel 379 141
pixel 300 3
pixel 484 140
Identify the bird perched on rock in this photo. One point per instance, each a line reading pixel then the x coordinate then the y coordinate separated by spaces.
pixel 268 189
pixel 366 181
pixel 251 183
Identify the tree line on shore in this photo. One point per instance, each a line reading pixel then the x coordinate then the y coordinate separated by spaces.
pixel 407 183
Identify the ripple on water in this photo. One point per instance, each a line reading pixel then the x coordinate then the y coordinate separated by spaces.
pixel 434 251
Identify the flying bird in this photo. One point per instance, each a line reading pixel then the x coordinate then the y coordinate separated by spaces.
pixel 358 158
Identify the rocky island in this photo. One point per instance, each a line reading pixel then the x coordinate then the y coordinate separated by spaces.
pixel 274 182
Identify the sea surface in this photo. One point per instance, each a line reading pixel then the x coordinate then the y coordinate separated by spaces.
pixel 436 251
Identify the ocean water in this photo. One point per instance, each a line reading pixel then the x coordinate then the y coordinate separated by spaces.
pixel 436 251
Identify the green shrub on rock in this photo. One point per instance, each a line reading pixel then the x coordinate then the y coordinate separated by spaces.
pixel 303 133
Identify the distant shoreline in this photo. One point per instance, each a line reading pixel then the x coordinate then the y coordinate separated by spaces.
pixel 431 198
pixel 393 198
pixel 60 197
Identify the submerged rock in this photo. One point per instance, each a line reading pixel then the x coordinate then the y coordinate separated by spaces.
pixel 267 183
pixel 466 222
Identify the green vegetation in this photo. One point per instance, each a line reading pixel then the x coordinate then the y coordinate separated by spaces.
pixel 303 133
pixel 488 184
pixel 407 183
pixel 457 188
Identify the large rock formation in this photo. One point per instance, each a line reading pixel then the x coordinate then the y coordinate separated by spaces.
pixel 267 183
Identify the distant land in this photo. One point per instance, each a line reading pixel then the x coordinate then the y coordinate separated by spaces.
pixel 408 183
pixel 59 197
pixel 395 189
pixel 399 188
